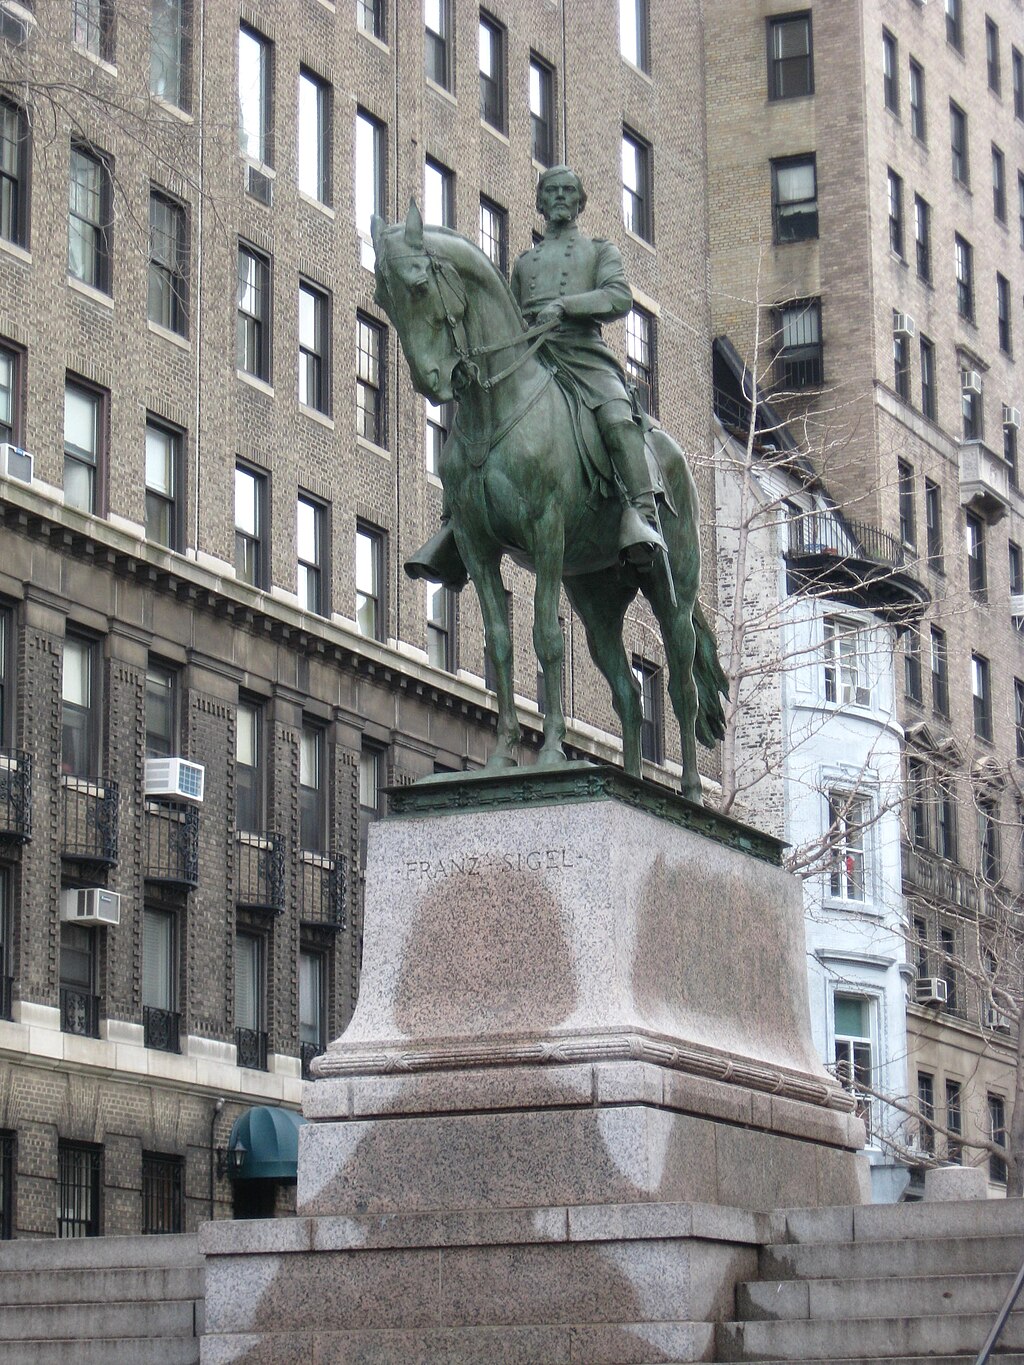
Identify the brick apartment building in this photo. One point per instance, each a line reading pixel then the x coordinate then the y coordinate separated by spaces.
pixel 866 220
pixel 228 467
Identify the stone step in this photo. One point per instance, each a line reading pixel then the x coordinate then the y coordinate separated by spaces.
pixel 779 1300
pixel 54 1253
pixel 969 1358
pixel 89 1321
pixel 864 1260
pixel 863 1338
pixel 103 1285
pixel 898 1222
pixel 103 1351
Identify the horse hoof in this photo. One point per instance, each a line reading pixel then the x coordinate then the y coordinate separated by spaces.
pixel 497 761
pixel 694 794
pixel 551 758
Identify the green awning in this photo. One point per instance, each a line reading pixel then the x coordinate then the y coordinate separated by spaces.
pixel 270 1138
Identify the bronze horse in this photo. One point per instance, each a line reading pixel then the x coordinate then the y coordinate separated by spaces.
pixel 515 484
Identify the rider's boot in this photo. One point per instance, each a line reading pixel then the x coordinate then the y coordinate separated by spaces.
pixel 439 560
pixel 639 533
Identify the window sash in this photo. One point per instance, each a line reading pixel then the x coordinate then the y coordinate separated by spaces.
pixel 249 514
pixel 314 137
pixel 847 821
pixel 918 125
pixel 168 51
pixel 309 538
pixel 158 959
pixel 314 332
pixel 634 33
pixel 492 73
pixel 167 257
pixel 248 982
pixel 493 234
pixel 370 16
pixel 368 576
pixel 369 380
pixel 253 313
pixel 88 219
pixel 437 28
pixel 13 173
pixel 636 187
pixel 162 459
pixel 160 710
pixel 791 72
pixel 541 100
pixel 795 199
pixel 254 95
pixel 311 998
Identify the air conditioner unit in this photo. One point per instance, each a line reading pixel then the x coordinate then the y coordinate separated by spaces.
pixel 931 990
pixel 904 325
pixel 996 1019
pixel 970 381
pixel 174 777
pixel 90 905
pixel 15 463
pixel 259 185
pixel 1011 416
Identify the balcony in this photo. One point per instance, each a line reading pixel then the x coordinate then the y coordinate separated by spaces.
pixel 984 480
pixel 15 795
pixel 161 1029
pixel 308 1051
pixel 260 870
pixel 322 890
pixel 79 1012
pixel 172 843
pixel 251 1046
pixel 91 812
pixel 852 562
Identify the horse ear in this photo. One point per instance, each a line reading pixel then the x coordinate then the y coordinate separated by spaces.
pixel 376 228
pixel 414 227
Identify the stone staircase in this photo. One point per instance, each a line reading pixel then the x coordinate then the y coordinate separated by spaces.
pixel 101 1301
pixel 910 1284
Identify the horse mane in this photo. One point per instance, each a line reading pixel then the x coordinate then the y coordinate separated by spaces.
pixel 463 253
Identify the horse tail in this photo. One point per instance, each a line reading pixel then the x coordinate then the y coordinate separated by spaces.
pixel 711 681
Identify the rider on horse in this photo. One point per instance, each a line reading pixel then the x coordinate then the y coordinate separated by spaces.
pixel 575 283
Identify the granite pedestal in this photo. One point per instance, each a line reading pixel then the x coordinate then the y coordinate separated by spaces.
pixel 579 1071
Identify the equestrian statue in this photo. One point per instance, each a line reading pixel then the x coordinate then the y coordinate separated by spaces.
pixel 552 460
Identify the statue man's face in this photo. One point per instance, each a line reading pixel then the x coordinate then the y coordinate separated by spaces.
pixel 560 198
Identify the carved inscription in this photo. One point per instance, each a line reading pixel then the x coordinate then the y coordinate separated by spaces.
pixel 481 864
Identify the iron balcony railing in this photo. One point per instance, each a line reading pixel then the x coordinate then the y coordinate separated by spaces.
pixel 16 794
pixel 172 843
pixel 251 1047
pixel 91 814
pixel 308 1051
pixel 79 1012
pixel 161 1028
pixel 322 889
pixel 260 868
pixel 822 533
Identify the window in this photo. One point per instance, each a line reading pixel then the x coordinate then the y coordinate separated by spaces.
pixel 311 545
pixel 846 677
pixel 1017 63
pixel 977 574
pixel 6 727
pixel 987 816
pixel 926 1110
pixel 168 264
pixel 795 198
pixel 371 18
pixel 253 335
pixel 14 145
pixel 922 237
pixel 1010 455
pixel 634 33
pixel 7 1146
pixel 169 51
pixel 954 1122
pixel 933 524
pixel 78 1189
pixel 438 425
pixel 371 141
pixel 312 1014
pixel 852 1023
pixel 790 61
pixel 940 672
pixel 652 715
pixel 958 143
pixel 10 394
pixel 493 233
pixel 250 1000
pixel 254 95
pixel 163 482
pixel 441 627
pixel 890 77
pixel 438 194
pixel 901 364
pixel 250 526
pixel 995 78
pixel 160 712
pixel 895 192
pixel 641 357
pixel 89 221
pixel 908 520
pixel 1018 715
pixel 371 795
pixel 79 709
pixel 1020 205
pixel 912 664
pixel 314 136
pixel 973 413
pixel 159 983
pixel 982 695
pixel 437 21
pixel 314 347
pixel 918 124
pixel 998 184
pixel 79 1003
pixel 964 262
pixel 955 24
pixel 163 1208
pixel 929 396
pixel 1016 568
pixel 542 105
pixel 370 375
pixel 945 817
pixel 312 789
pixel 637 210
pixel 800 352
pixel 492 72
pixel 248 767
pixel 83 417
pixel 920 829
pixel 997 1132
pixel 1005 326
pixel 847 817
pixel 369 582
pixel 92 27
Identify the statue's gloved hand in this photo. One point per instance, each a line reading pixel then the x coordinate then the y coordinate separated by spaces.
pixel 551 312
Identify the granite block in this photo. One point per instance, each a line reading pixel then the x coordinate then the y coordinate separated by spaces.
pixel 714 1099
pixel 461 1346
pixel 710 1222
pixel 629 1083
pixel 948 1183
pixel 533 1087
pixel 251 1348
pixel 469 1228
pixel 757 1170
pixel 249 1236
pixel 642 1343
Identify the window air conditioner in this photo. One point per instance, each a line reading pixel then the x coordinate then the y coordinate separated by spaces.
pixel 90 905
pixel 1011 416
pixel 904 325
pixel 174 777
pixel 970 381
pixel 15 463
pixel 931 990
pixel 995 1018
pixel 259 185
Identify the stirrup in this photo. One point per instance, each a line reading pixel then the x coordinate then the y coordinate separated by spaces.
pixel 439 561
pixel 639 541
